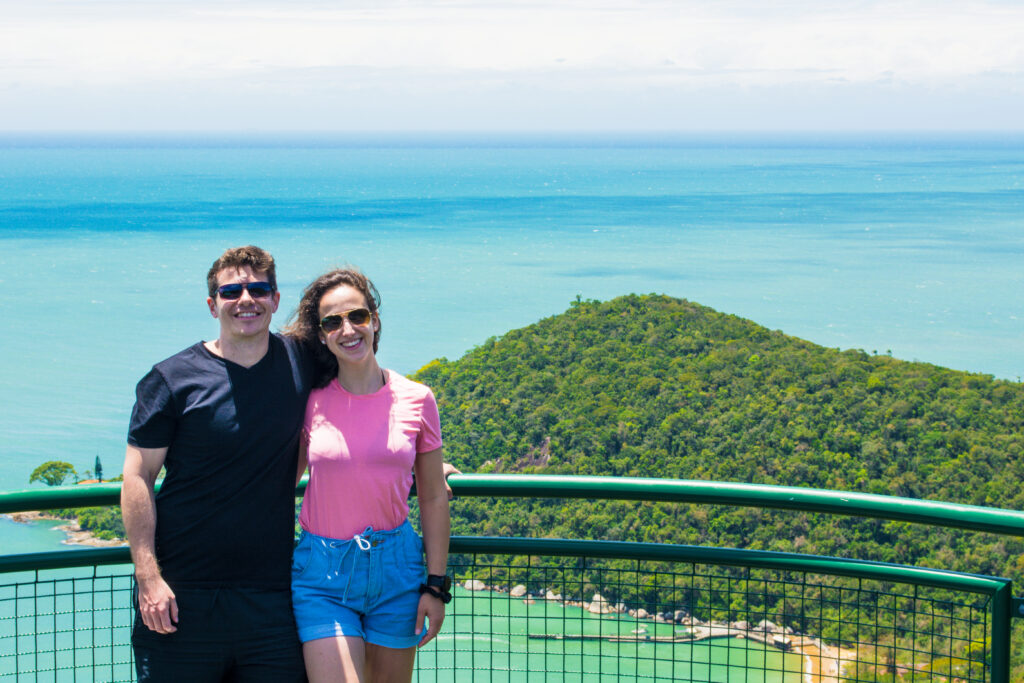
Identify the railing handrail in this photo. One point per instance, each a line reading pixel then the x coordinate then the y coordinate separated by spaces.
pixel 658 552
pixel 848 503
pixel 55 497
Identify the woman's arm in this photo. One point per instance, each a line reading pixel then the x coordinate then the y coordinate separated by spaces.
pixel 432 494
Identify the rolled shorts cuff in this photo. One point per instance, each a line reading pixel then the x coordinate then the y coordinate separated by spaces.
pixel 396 642
pixel 376 637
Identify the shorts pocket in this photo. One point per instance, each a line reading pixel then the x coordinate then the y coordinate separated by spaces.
pixel 414 559
pixel 302 556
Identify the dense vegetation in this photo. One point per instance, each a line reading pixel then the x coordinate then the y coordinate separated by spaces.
pixel 652 386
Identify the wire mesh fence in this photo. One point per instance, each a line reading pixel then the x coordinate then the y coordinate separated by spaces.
pixel 582 619
pixel 522 617
pixel 68 624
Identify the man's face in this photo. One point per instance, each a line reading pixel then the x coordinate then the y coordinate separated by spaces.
pixel 248 316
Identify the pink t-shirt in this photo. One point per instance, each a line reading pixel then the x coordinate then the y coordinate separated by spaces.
pixel 361 454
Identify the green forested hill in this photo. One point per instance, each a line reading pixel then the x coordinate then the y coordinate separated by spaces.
pixel 653 386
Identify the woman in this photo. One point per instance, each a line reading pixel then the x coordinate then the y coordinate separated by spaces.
pixel 357 576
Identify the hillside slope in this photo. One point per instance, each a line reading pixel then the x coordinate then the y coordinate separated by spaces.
pixel 653 386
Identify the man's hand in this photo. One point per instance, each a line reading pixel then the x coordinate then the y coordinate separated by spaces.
pixel 157 605
pixel 433 609
pixel 449 469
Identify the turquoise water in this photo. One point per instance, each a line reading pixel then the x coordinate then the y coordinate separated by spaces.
pixel 75 627
pixel 909 246
pixel 31 537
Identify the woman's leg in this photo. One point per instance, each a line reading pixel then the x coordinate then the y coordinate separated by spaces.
pixel 387 664
pixel 335 659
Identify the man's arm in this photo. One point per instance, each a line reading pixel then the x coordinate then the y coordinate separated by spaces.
pixel 157 605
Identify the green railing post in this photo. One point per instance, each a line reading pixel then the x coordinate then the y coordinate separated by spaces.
pixel 1002 603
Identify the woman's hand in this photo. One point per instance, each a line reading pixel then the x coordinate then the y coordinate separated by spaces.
pixel 449 469
pixel 433 609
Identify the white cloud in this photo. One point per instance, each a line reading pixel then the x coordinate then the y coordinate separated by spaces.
pixel 450 48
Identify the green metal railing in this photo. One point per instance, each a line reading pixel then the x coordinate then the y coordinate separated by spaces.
pixel 532 609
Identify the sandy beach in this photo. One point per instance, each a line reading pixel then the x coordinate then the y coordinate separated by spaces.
pixel 822 663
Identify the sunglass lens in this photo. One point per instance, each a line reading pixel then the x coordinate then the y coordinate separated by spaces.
pixel 259 290
pixel 331 323
pixel 359 317
pixel 230 291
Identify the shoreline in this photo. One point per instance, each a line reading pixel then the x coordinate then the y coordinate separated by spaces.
pixel 73 534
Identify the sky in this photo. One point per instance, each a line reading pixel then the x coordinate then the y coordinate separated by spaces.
pixel 551 65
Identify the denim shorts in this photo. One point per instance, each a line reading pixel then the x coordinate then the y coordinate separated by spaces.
pixel 367 586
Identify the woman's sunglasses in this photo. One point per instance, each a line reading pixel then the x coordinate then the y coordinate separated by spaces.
pixel 358 317
pixel 257 290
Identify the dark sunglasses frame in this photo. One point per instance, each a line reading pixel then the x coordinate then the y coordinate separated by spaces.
pixel 257 290
pixel 335 321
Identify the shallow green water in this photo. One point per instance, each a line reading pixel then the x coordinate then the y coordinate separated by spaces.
pixel 490 636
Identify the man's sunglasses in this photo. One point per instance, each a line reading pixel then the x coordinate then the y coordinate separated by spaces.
pixel 358 317
pixel 257 290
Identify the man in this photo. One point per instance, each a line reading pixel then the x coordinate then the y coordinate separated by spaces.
pixel 212 550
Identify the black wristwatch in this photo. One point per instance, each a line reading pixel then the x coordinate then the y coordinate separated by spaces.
pixel 440 586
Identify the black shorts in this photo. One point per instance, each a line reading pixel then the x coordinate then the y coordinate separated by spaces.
pixel 224 634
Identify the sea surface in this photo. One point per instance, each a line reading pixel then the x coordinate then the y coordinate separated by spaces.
pixel 909 245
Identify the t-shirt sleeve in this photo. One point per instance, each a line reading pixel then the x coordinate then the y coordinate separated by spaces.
pixel 154 420
pixel 429 438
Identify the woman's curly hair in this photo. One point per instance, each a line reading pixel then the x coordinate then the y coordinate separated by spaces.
pixel 304 324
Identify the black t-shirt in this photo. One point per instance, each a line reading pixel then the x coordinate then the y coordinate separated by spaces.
pixel 225 510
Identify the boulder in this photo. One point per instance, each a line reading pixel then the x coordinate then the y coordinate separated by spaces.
pixel 598 605
pixel 474 585
pixel 518 591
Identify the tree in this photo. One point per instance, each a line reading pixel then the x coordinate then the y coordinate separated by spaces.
pixel 52 473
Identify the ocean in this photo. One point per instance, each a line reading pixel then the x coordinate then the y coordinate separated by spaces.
pixel 909 245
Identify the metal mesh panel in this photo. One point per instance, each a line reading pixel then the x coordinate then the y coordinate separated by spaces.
pixel 691 622
pixel 66 625
pixel 653 621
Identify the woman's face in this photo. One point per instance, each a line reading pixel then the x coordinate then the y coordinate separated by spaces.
pixel 349 343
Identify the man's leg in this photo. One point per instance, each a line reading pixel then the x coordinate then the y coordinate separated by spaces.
pixel 197 651
pixel 267 647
